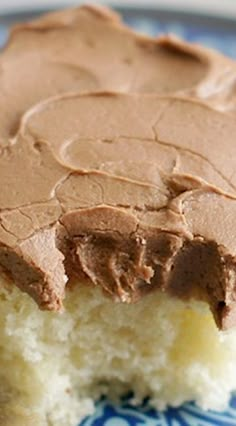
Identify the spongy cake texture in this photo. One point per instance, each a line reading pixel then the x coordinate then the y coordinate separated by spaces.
pixel 53 366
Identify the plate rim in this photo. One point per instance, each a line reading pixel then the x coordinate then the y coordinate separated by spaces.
pixel 199 17
pixel 191 8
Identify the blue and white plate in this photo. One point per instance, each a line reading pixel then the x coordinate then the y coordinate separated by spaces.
pixel 213 32
pixel 187 415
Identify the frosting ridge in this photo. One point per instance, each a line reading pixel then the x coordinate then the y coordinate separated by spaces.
pixel 116 163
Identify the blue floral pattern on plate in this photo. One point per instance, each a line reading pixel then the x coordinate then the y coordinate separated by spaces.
pixel 106 413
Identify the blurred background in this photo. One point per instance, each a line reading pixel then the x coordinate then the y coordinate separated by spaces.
pixel 222 7
pixel 218 7
pixel 209 22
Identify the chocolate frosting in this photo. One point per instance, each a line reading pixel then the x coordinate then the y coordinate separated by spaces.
pixel 117 163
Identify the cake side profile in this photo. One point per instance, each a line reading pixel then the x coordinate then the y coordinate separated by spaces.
pixel 96 205
pixel 117 209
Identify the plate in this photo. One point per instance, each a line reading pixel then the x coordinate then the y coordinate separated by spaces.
pixel 212 31
pixel 187 415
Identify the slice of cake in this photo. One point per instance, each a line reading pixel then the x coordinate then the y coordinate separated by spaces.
pixel 117 220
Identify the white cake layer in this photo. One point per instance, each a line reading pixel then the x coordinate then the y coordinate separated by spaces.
pixel 53 366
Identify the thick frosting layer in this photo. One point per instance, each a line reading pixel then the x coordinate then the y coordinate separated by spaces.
pixel 134 191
